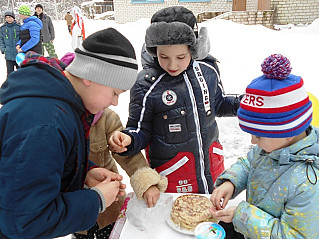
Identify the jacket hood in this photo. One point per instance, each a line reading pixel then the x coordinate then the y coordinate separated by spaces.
pixel 305 150
pixel 33 19
pixel 40 77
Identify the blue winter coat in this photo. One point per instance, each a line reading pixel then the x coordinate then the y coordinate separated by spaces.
pixel 9 36
pixel 282 191
pixel 43 162
pixel 168 114
pixel 30 34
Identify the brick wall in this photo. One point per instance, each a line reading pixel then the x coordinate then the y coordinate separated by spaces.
pixel 295 11
pixel 265 18
pixel 126 11
pixel 284 11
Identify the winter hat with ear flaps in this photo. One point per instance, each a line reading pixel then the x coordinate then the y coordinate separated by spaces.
pixel 177 26
pixel 106 57
pixel 276 104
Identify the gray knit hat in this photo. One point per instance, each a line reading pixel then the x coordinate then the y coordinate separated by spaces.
pixel 177 25
pixel 9 13
pixel 106 57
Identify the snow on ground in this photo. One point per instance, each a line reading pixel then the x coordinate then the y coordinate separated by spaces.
pixel 240 50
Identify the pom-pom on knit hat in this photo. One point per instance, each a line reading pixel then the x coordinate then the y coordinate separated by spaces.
pixel 25 10
pixel 276 104
pixel 177 26
pixel 106 57
pixel 9 13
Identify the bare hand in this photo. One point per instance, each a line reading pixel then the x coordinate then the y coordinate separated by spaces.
pixel 18 48
pixel 225 215
pixel 151 196
pixel 119 141
pixel 98 175
pixel 111 190
pixel 222 194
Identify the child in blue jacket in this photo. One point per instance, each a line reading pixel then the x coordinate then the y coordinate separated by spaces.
pixel 9 36
pixel 45 119
pixel 281 172
pixel 174 103
pixel 30 35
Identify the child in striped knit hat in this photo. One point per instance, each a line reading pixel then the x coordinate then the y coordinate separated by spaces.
pixel 281 172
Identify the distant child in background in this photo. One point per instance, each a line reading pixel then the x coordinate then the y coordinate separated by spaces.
pixel 68 18
pixel 174 103
pixel 146 182
pixel 281 172
pixel 77 28
pixel 47 31
pixel 30 34
pixel 9 36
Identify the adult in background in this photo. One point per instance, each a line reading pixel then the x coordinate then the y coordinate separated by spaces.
pixel 47 32
pixel 30 32
pixel 68 17
pixel 9 36
pixel 77 28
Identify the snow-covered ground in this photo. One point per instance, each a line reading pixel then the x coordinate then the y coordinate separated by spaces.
pixel 240 50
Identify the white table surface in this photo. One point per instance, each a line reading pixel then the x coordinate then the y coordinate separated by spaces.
pixel 163 231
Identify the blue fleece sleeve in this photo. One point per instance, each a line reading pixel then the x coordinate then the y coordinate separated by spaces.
pixel 31 201
pixel 34 31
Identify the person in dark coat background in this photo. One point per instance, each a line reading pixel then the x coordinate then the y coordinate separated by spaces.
pixel 47 31
pixel 29 32
pixel 9 37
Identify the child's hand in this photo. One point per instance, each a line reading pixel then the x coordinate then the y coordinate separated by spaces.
pixel 111 190
pixel 222 194
pixel 98 175
pixel 225 215
pixel 118 142
pixel 151 196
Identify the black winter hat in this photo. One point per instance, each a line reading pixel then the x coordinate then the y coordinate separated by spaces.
pixel 9 13
pixel 177 25
pixel 38 5
pixel 107 58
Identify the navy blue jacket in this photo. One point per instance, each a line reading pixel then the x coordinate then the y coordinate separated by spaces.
pixel 9 36
pixel 42 156
pixel 168 114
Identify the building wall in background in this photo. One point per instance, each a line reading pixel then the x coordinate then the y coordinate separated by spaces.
pixel 295 11
pixel 280 12
pixel 126 11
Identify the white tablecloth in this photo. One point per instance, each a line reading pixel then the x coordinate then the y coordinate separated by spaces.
pixel 163 231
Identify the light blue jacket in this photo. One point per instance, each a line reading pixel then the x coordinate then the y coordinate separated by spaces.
pixel 282 191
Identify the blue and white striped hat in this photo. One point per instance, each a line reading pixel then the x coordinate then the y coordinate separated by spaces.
pixel 276 104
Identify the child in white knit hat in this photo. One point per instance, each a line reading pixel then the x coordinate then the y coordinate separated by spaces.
pixel 45 120
pixel 281 172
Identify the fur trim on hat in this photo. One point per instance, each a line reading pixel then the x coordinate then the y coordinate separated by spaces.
pixel 201 48
pixel 145 177
pixel 177 33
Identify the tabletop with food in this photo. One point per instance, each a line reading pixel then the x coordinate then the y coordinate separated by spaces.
pixel 175 215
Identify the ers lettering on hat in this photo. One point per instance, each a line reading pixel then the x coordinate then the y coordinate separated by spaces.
pixel 253 100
